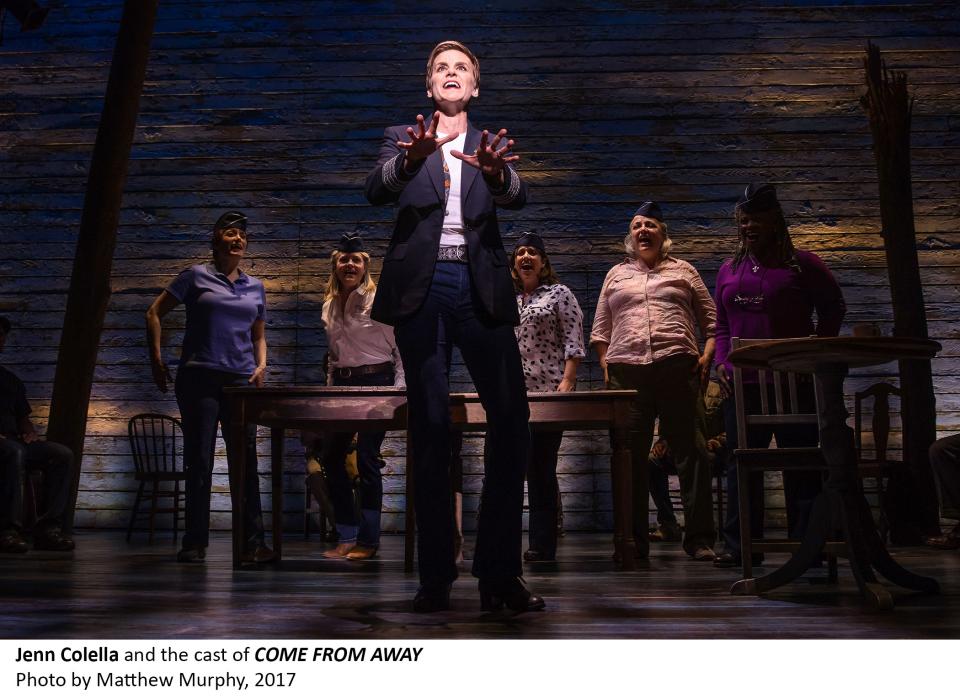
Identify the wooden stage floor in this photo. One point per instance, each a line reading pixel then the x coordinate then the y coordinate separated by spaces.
pixel 111 589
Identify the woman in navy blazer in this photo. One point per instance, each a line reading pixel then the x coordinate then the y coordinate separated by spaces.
pixel 446 282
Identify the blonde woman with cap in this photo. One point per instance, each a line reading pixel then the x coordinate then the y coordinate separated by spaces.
pixel 645 334
pixel 362 352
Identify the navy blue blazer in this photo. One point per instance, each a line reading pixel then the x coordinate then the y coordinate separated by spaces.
pixel 410 258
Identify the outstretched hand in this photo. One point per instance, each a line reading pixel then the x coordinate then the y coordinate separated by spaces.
pixel 423 141
pixel 489 159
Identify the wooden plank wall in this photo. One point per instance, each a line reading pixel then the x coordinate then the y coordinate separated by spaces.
pixel 277 109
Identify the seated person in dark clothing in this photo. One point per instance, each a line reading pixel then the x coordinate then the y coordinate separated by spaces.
pixel 22 449
pixel 661 466
pixel 945 461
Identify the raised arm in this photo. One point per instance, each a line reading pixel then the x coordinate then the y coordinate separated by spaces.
pixel 826 295
pixel 570 318
pixel 706 311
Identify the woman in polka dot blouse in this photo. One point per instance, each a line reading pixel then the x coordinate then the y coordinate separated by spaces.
pixel 550 336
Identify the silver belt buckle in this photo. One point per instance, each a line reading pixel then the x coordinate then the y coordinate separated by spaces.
pixel 453 252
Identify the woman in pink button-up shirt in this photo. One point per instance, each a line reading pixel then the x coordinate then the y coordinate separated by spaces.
pixel 645 334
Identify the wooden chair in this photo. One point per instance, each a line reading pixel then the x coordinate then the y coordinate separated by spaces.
pixel 783 410
pixel 156 443
pixel 878 467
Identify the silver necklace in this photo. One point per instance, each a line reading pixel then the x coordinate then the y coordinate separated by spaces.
pixel 750 301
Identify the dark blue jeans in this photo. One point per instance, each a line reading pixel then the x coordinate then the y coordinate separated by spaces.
pixel 202 406
pixel 800 488
pixel 56 463
pixel 451 316
pixel 335 447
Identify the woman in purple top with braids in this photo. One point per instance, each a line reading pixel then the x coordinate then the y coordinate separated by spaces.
pixel 769 289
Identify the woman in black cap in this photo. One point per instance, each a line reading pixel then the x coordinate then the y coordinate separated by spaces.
pixel 223 345
pixel 644 332
pixel 769 289
pixel 550 336
pixel 362 352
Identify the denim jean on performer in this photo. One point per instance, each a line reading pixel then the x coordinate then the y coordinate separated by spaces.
pixel 449 316
pixel 335 445
pixel 202 406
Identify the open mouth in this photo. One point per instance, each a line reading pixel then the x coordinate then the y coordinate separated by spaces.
pixel 451 83
pixel 526 266
pixel 644 240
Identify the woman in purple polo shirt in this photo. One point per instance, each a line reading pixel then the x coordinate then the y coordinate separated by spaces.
pixel 769 289
pixel 223 345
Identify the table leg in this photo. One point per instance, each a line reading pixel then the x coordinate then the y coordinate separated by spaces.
pixel 821 519
pixel 276 490
pixel 237 469
pixel 841 506
pixel 624 547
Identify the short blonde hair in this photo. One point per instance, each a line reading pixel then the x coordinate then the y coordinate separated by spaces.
pixel 451 45
pixel 333 284
pixel 631 247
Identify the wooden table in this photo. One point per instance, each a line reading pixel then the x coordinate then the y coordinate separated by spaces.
pixel 841 505
pixel 349 409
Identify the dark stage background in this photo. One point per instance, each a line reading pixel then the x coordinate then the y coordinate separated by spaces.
pixel 277 108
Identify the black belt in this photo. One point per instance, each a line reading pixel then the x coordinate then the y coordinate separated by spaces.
pixel 346 372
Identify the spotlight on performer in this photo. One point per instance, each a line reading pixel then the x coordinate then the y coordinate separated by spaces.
pixel 29 13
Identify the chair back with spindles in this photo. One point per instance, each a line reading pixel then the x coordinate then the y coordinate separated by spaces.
pixel 785 407
pixel 156 442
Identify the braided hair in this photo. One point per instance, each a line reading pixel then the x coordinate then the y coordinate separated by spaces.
pixel 786 254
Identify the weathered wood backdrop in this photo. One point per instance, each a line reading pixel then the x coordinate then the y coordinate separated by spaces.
pixel 277 108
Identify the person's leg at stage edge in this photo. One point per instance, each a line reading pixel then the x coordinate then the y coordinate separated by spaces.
pixel 667 527
pixel 800 488
pixel 492 357
pixel 336 445
pixel 758 436
pixel 199 409
pixel 425 351
pixel 642 415
pixel 680 405
pixel 256 551
pixel 542 496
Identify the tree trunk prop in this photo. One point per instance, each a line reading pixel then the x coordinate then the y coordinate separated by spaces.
pixel 889 108
pixel 89 290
